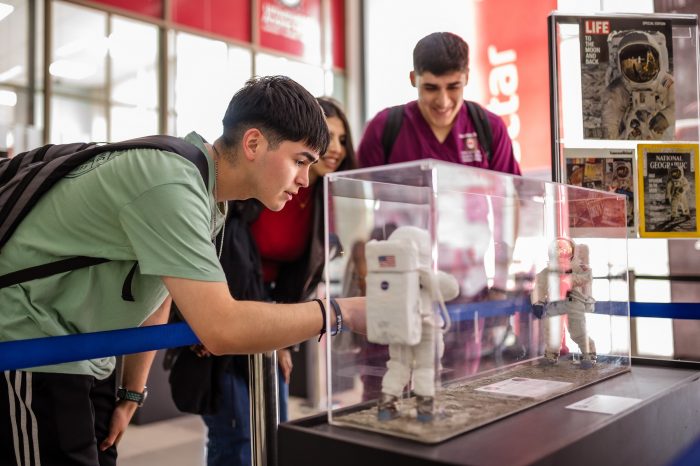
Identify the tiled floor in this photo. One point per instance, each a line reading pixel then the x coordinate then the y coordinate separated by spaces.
pixel 176 442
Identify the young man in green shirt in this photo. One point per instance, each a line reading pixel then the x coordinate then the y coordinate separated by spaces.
pixel 149 206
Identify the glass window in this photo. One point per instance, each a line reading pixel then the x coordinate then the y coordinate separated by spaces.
pixel 309 76
pixel 207 74
pixel 133 50
pixel 13 36
pixel 77 120
pixel 104 75
pixel 17 107
pixel 78 74
pixel 79 52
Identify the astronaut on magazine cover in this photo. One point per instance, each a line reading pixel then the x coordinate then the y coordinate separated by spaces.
pixel 677 188
pixel 639 101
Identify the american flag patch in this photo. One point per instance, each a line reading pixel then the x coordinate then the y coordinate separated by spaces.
pixel 387 261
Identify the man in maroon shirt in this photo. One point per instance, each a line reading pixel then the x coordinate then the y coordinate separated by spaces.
pixel 438 125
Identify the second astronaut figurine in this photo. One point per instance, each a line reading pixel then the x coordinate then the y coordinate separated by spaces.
pixel 564 288
pixel 401 291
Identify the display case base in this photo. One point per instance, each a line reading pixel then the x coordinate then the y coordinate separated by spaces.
pixel 651 432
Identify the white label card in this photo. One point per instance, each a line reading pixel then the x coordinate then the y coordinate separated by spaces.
pixel 606 404
pixel 526 388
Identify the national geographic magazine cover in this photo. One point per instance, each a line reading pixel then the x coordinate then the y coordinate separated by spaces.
pixel 668 197
pixel 627 78
pixel 609 170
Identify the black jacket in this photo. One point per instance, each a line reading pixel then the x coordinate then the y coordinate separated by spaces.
pixel 194 380
pixel 297 280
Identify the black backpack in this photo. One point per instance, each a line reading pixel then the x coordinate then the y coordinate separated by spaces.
pixel 476 113
pixel 29 175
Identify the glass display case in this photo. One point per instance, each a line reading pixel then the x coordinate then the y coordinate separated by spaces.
pixel 485 293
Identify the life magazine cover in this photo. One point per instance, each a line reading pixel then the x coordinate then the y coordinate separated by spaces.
pixel 668 198
pixel 608 170
pixel 627 78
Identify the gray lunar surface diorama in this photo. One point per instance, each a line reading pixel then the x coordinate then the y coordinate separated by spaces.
pixel 471 404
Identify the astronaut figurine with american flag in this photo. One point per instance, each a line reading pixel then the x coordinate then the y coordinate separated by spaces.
pixel 401 291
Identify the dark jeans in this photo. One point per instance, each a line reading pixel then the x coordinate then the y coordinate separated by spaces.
pixel 229 430
pixel 55 419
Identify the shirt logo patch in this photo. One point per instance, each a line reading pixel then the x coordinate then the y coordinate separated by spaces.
pixel 91 164
pixel 470 148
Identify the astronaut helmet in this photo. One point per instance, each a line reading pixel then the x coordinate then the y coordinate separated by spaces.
pixel 562 250
pixel 639 58
pixel 622 171
pixel 420 237
pixel 675 173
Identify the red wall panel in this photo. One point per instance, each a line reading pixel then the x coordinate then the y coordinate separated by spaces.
pixel 292 27
pixel 338 33
pixel 512 53
pixel 229 18
pixel 152 8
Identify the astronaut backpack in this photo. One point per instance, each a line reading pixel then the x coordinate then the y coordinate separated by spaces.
pixel 393 292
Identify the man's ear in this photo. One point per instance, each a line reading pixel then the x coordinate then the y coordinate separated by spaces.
pixel 412 75
pixel 253 143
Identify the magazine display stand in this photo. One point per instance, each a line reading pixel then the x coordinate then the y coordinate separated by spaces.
pixel 619 81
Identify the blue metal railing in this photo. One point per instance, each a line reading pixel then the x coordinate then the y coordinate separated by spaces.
pixel 54 350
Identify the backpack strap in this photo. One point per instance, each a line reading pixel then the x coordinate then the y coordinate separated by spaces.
pixel 482 126
pixel 46 270
pixel 46 165
pixel 391 130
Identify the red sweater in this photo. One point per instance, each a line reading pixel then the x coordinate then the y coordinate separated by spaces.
pixel 283 236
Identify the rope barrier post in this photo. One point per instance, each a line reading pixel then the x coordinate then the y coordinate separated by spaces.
pixel 264 408
pixel 634 344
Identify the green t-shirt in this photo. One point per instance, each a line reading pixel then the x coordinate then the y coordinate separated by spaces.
pixel 144 204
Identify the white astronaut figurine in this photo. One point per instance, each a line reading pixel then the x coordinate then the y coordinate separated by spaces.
pixel 639 101
pixel 564 288
pixel 677 188
pixel 401 290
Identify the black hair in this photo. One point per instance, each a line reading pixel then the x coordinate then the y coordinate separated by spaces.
pixel 332 109
pixel 440 53
pixel 281 109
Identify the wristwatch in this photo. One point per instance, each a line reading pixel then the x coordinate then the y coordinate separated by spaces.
pixel 127 395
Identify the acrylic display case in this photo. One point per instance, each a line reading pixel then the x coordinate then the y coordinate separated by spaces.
pixel 530 309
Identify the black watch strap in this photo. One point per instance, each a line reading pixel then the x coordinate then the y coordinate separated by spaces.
pixel 127 395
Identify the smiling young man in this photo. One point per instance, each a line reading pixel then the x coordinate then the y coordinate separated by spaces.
pixel 150 207
pixel 438 124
